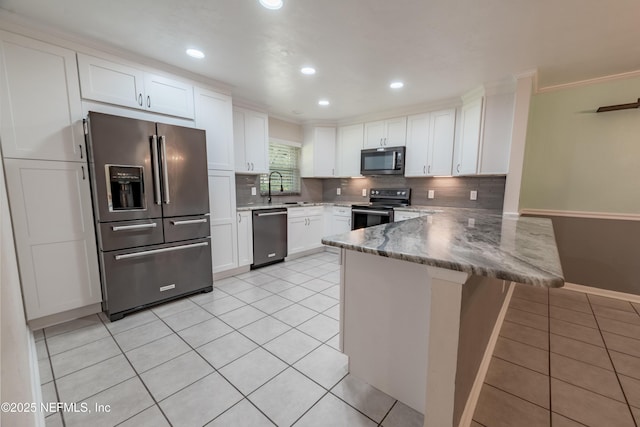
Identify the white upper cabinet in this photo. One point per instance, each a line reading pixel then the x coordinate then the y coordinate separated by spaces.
pixel 319 152
pixel 417 154
pixel 441 139
pixel 469 143
pixel 430 138
pixel 40 109
pixel 214 114
pixel 496 138
pixel 348 147
pixel 385 133
pixel 54 234
pixel 251 141
pixel 113 83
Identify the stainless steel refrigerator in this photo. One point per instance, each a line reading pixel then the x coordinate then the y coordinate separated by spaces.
pixel 151 206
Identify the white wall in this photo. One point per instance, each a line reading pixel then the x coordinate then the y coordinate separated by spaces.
pixel 16 377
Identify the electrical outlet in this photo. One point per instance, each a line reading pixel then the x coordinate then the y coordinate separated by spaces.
pixel 254 191
pixel 471 222
pixel 364 192
pixel 473 195
pixel 338 191
pixel 431 194
pixel 430 219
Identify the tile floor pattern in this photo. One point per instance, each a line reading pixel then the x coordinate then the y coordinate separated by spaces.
pixel 564 359
pixel 259 350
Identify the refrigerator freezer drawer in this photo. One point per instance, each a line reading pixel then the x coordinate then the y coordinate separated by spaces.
pixel 130 234
pixel 186 227
pixel 139 277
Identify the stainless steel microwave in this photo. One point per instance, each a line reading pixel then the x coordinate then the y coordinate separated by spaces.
pixel 382 161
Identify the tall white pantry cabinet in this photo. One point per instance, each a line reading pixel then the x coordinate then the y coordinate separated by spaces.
pixel 44 155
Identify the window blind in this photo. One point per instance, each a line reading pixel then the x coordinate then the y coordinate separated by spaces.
pixel 286 160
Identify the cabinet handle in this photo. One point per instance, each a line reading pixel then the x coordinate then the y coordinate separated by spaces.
pixel 80 146
pixel 252 168
pixel 429 170
pixel 248 166
pixel 333 171
pixel 385 141
pixel 381 142
pixel 148 101
pixel 239 218
pixel 82 167
pixel 140 99
pixel 424 169
pixel 458 168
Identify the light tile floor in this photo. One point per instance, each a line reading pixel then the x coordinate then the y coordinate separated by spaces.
pixel 564 359
pixel 261 349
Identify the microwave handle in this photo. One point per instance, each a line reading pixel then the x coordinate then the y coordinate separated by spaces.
pixel 395 159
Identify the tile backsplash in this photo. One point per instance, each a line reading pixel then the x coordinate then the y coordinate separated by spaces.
pixel 448 191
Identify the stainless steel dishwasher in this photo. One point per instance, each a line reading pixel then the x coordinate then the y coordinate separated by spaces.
pixel 269 236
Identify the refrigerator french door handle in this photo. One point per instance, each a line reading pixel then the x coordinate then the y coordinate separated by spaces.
pixel 165 171
pixel 155 167
pixel 159 251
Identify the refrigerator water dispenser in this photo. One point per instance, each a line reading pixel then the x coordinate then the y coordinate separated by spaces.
pixel 125 187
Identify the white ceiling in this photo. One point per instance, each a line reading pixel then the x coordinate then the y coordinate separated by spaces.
pixel 439 48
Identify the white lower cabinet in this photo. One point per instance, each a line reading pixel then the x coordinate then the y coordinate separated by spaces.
pixel 55 236
pixel 224 235
pixel 305 227
pixel 245 238
pixel 340 220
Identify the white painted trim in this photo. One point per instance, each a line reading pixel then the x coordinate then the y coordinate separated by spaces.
pixel 602 292
pixel 231 272
pixel 472 400
pixel 35 379
pixel 588 82
pixel 65 316
pixel 473 94
pixel 582 214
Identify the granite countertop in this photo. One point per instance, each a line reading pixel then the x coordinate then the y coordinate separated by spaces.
pixel 475 241
pixel 282 205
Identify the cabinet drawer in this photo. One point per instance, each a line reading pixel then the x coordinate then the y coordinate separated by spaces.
pixel 296 212
pixel 130 234
pixel 138 277
pixel 186 227
pixel 341 211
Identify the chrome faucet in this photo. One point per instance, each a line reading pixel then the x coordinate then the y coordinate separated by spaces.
pixel 281 187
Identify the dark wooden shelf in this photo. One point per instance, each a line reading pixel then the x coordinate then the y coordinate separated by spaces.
pixel 619 107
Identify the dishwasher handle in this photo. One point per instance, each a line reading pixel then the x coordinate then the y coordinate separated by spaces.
pixel 271 213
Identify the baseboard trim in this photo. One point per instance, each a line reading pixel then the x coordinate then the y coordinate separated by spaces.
pixel 231 272
pixel 474 394
pixel 65 316
pixel 582 214
pixel 36 388
pixel 305 253
pixel 602 292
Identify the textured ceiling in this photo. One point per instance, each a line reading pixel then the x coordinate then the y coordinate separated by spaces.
pixel 439 48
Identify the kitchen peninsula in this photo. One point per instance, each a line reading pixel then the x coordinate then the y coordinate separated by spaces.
pixel 420 299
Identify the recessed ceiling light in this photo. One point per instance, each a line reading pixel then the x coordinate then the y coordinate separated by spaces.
pixel 308 70
pixel 195 53
pixel 396 85
pixel 271 4
pixel 323 102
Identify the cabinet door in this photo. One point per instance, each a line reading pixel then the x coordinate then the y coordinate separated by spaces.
pixel 214 114
pixel 315 231
pixel 257 141
pixel 395 132
pixel 222 202
pixel 168 96
pixel 374 133
pixel 105 81
pixel 470 131
pixel 348 147
pixel 325 152
pixel 417 145
pixel 54 233
pixel 239 150
pixel 441 142
pixel 40 110
pixel 245 239
pixel 296 234
pixel 340 224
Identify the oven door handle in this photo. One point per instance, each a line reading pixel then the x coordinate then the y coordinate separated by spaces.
pixel 369 211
